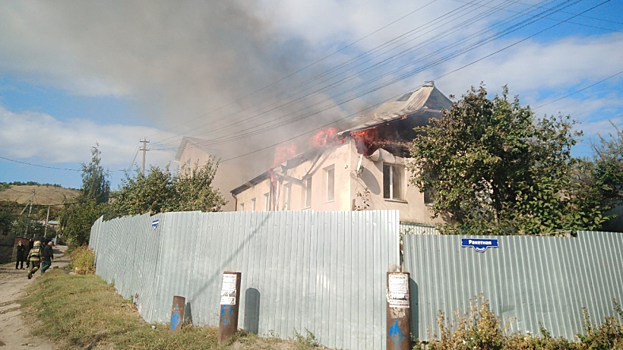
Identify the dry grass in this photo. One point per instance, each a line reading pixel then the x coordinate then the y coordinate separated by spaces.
pixel 44 195
pixel 83 312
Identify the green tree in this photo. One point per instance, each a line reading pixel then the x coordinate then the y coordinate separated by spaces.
pixel 608 160
pixel 194 191
pixel 95 184
pixel 160 191
pixel 35 228
pixel 151 193
pixel 8 215
pixel 496 169
pixel 77 217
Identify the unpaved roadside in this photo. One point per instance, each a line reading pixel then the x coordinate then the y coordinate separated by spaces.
pixel 15 333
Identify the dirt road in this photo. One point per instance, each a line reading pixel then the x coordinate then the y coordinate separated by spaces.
pixel 14 332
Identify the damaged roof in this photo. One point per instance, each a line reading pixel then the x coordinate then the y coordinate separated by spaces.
pixel 419 105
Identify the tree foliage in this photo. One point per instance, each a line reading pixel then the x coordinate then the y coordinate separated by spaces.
pixel 95 183
pixel 496 169
pixel 77 217
pixel 160 191
pixel 8 215
pixel 608 161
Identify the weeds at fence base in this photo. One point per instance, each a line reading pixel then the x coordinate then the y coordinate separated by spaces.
pixel 82 261
pixel 479 328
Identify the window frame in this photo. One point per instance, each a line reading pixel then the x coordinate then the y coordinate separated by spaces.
pixel 267 201
pixel 396 186
pixel 330 183
pixel 307 195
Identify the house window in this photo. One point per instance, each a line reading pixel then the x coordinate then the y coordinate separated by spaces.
pixel 308 192
pixel 253 204
pixel 241 206
pixel 330 179
pixel 392 181
pixel 287 194
pixel 266 201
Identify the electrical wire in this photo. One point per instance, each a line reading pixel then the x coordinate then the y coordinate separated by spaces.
pixel 460 68
pixel 330 101
pixel 575 92
pixel 311 64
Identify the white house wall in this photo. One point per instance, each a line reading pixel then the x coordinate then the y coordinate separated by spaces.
pixel 351 181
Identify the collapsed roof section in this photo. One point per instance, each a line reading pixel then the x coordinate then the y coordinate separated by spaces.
pixel 390 126
pixel 419 106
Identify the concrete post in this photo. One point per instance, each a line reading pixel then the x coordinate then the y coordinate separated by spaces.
pixel 398 311
pixel 230 301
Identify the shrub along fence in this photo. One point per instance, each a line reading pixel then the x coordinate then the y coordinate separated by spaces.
pixel 322 272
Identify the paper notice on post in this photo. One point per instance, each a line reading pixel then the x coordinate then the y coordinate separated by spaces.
pixel 398 293
pixel 228 292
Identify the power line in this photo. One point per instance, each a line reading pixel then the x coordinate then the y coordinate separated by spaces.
pixel 342 81
pixel 453 71
pixel 38 165
pixel 575 92
pixel 46 166
pixel 267 126
pixel 311 64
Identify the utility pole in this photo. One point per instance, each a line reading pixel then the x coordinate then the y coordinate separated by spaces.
pixel 47 218
pixel 144 149
pixel 29 211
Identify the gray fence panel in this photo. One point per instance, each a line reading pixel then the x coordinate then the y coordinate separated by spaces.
pixel 533 280
pixel 319 271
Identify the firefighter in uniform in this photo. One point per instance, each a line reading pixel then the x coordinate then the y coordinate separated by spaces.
pixel 34 257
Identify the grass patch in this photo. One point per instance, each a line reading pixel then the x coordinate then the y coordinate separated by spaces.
pixel 82 311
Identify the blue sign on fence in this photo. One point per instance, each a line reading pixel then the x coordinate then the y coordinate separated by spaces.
pixel 155 223
pixel 479 244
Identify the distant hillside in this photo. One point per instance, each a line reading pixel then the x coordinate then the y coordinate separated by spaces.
pixel 44 195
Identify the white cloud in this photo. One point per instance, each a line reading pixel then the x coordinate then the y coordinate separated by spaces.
pixel 48 140
pixel 193 66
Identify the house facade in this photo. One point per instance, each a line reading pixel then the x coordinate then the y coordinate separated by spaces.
pixel 363 167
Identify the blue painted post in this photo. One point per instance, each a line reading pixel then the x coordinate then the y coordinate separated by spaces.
pixel 398 311
pixel 230 301
pixel 177 312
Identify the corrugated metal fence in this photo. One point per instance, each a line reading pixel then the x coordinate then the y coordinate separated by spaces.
pixel 301 270
pixel 531 279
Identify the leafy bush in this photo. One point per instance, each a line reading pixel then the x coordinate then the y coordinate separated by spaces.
pixel 83 260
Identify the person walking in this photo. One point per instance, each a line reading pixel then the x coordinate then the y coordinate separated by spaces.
pixel 20 255
pixel 31 243
pixel 34 258
pixel 46 257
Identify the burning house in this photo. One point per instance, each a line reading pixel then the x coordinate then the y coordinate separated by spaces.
pixel 360 167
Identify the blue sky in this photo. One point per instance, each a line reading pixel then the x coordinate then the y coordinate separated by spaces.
pixel 248 74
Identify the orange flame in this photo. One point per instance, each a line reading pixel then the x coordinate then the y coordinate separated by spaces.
pixel 284 152
pixel 325 137
pixel 365 140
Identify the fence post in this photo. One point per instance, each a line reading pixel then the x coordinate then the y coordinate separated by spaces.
pixel 230 300
pixel 398 311
pixel 177 312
